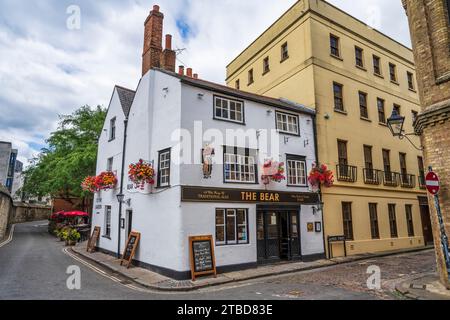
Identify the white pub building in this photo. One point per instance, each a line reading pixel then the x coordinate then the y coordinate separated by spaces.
pixel 215 152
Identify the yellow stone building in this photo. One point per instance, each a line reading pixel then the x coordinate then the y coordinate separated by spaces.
pixel 354 76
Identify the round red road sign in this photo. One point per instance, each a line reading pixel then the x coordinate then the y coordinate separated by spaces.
pixel 432 183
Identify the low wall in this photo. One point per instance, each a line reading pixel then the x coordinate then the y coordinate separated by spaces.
pixel 23 212
pixel 6 210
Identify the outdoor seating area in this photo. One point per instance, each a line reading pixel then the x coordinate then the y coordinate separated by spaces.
pixel 72 226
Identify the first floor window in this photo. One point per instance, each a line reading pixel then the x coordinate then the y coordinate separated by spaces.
pixel 363 105
pixel 228 109
pixel 374 221
pixel 381 112
pixel 107 221
pixel 287 123
pixel 338 96
pixel 347 219
pixel 239 165
pixel 296 170
pixel 164 168
pixel 392 221
pixel 231 226
pixel 409 220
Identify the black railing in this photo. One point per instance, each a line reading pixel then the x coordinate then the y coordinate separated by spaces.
pixel 346 173
pixel 408 180
pixel 422 184
pixel 372 176
pixel 391 179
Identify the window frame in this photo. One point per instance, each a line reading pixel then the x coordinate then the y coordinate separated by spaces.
pixel 363 106
pixel 229 100
pixel 284 52
pixel 251 76
pixel 336 48
pixel 393 227
pixel 380 71
pixel 160 153
pixel 348 223
pixel 341 98
pixel 409 220
pixel 359 59
pixel 296 159
pixel 237 84
pixel 374 222
pixel 109 164
pixel 237 165
pixel 236 241
pixel 393 73
pixel 287 114
pixel 410 79
pixel 107 222
pixel 266 65
pixel 112 129
pixel 383 119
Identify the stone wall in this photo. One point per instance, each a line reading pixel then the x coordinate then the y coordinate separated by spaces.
pixel 6 208
pixel 24 212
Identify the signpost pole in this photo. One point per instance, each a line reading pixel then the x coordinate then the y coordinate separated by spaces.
pixel 444 238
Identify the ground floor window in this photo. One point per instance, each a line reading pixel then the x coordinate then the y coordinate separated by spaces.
pixel 374 221
pixel 393 221
pixel 231 226
pixel 409 220
pixel 107 221
pixel 348 220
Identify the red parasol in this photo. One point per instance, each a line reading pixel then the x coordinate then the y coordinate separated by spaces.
pixel 75 214
pixel 56 214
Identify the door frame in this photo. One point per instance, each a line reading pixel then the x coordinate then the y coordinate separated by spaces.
pixel 279 209
pixel 128 225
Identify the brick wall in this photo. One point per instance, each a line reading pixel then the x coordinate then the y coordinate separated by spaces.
pixel 430 33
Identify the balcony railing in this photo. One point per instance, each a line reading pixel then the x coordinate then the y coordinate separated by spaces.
pixel 346 173
pixel 372 176
pixel 408 180
pixel 422 184
pixel 391 179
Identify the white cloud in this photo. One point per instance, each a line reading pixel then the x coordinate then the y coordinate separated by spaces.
pixel 46 69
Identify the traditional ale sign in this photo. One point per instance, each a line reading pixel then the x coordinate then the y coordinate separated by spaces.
pixel 204 194
pixel 92 243
pixel 130 248
pixel 201 251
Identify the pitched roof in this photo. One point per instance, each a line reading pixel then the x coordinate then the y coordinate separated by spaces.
pixel 126 97
pixel 281 103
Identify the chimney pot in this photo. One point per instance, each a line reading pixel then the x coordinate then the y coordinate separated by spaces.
pixel 189 72
pixel 168 42
pixel 195 76
pixel 181 70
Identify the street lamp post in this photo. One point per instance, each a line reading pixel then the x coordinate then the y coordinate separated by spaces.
pixel 120 199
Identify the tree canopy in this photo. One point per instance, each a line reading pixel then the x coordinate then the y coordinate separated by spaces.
pixel 71 156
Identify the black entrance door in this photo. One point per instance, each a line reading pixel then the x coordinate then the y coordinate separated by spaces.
pixel 278 235
pixel 426 224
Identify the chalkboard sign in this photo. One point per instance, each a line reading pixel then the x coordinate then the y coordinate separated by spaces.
pixel 202 256
pixel 93 240
pixel 130 248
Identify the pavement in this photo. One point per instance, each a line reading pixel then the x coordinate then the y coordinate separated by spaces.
pixel 155 281
pixel 423 287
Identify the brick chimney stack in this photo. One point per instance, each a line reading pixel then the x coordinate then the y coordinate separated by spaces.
pixel 151 57
pixel 168 56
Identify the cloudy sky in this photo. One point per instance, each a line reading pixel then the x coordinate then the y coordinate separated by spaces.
pixel 48 68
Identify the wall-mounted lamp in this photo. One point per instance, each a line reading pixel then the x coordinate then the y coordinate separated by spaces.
pixel 318 208
pixel 395 123
pixel 121 197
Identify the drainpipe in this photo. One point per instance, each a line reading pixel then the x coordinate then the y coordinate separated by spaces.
pixel 314 119
pixel 125 122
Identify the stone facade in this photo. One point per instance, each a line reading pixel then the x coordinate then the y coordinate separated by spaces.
pixel 24 212
pixel 429 24
pixel 5 211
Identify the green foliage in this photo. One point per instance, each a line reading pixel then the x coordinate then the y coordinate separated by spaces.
pixel 71 155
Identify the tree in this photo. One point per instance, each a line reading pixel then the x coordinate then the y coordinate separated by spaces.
pixel 71 155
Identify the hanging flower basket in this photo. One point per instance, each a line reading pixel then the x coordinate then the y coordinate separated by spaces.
pixel 273 171
pixel 106 181
pixel 141 173
pixel 89 185
pixel 320 176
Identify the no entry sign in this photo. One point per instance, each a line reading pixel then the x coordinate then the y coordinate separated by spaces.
pixel 432 183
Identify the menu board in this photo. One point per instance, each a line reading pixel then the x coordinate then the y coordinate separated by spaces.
pixel 93 240
pixel 202 256
pixel 130 248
